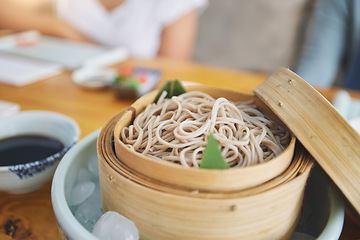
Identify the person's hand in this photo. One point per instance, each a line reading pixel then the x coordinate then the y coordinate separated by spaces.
pixel 45 23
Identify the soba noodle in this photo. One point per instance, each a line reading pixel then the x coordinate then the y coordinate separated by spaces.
pixel 176 130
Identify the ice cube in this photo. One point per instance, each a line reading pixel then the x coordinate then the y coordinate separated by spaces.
pixel 83 175
pixel 81 192
pixel 88 214
pixel 93 167
pixel 95 197
pixel 114 226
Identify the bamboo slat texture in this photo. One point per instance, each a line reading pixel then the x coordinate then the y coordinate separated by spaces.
pixel 321 129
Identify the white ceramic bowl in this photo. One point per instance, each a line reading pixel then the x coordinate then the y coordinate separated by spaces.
pixel 322 215
pixel 28 177
pixel 64 180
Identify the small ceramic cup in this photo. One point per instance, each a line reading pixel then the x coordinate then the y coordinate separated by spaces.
pixel 27 177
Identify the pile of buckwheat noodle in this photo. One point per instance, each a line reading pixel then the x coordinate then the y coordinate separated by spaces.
pixel 176 130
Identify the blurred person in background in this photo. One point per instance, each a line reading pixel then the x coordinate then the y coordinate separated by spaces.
pixel 331 55
pixel 146 28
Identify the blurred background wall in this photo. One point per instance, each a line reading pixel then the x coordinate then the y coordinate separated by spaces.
pixel 255 35
pixel 258 35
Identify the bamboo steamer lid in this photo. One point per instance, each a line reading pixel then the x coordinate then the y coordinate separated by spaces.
pixel 321 129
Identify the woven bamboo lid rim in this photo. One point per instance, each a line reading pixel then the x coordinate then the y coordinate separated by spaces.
pixel 320 128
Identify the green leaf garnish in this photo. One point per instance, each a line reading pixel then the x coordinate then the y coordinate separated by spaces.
pixel 212 157
pixel 172 87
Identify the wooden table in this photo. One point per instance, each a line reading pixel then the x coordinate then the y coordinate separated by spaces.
pixel 30 216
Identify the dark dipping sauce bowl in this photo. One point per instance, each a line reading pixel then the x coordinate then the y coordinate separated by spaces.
pixel 32 143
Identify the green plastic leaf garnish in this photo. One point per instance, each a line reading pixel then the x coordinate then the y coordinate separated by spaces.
pixel 172 87
pixel 212 158
pixel 166 88
pixel 177 88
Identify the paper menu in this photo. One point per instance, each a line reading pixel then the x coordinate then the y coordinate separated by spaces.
pixel 69 54
pixel 21 71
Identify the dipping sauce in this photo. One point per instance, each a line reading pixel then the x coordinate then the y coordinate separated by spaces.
pixel 27 148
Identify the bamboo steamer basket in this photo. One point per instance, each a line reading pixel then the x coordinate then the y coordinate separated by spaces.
pixel 265 208
pixel 196 178
pixel 165 211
